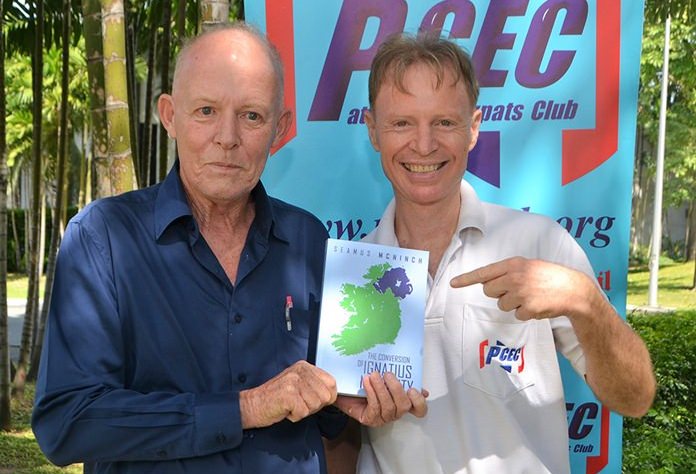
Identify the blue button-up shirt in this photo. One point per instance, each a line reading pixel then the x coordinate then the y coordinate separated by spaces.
pixel 148 343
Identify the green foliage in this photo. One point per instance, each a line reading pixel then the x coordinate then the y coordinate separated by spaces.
pixel 665 439
pixel 680 144
pixel 18 246
pixel 20 27
pixel 639 256
pixel 657 10
pixel 19 105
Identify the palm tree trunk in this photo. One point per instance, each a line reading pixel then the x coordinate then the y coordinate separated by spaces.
pixel 59 206
pixel 85 164
pixel 181 22
pixel 105 44
pixel 166 40
pixel 34 224
pixel 13 223
pixel 92 29
pixel 116 174
pixel 131 82
pixel 690 239
pixel 5 410
pixel 41 253
pixel 145 142
pixel 212 13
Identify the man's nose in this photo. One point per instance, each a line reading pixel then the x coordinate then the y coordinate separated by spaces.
pixel 424 142
pixel 228 132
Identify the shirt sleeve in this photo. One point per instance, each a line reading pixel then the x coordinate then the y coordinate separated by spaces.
pixel 84 412
pixel 571 255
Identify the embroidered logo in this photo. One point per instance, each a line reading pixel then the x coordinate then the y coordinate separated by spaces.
pixel 508 358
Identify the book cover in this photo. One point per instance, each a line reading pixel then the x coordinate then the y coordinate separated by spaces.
pixel 372 313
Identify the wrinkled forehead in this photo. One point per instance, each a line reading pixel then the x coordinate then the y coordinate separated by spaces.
pixel 222 54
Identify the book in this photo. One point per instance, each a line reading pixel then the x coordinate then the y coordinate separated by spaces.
pixel 372 313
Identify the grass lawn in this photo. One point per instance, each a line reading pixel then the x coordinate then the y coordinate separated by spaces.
pixel 674 281
pixel 19 453
pixel 17 288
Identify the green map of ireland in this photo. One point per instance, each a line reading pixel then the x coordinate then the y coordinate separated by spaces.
pixel 374 309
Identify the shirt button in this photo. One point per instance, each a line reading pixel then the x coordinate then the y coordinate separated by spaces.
pixel 221 438
pixel 162 453
pixel 238 318
pixel 241 378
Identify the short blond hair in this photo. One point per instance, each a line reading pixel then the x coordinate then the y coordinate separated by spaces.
pixel 403 50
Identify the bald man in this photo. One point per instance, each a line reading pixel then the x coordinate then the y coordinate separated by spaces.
pixel 181 316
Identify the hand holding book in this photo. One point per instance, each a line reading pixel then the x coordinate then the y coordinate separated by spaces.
pixel 385 402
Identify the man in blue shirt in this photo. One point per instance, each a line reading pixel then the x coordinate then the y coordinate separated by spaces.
pixel 182 313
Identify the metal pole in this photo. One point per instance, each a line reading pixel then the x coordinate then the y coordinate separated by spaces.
pixel 659 176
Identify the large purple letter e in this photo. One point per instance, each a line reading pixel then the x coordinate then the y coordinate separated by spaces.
pixel 345 55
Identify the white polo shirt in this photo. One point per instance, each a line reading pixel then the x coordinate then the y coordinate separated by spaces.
pixel 496 400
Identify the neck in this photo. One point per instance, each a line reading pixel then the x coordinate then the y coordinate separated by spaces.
pixel 225 228
pixel 226 217
pixel 427 227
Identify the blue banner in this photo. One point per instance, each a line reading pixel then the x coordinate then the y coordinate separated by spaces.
pixel 559 83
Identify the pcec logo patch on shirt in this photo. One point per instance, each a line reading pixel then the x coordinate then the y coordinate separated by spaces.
pixel 510 359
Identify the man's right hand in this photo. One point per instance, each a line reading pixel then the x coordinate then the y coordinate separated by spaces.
pixel 297 392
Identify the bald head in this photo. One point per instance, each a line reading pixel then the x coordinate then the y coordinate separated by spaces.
pixel 230 41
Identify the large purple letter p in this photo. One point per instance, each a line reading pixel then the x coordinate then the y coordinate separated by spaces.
pixel 345 55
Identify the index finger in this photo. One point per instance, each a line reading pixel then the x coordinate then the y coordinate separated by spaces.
pixel 479 275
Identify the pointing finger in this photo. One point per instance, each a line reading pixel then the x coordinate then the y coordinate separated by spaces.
pixel 465 279
pixel 479 275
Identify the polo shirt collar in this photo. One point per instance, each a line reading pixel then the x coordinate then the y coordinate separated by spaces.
pixel 471 212
pixel 471 215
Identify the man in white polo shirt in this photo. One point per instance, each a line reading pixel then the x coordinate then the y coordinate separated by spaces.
pixel 507 289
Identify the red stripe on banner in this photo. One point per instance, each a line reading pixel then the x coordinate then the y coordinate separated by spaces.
pixel 585 150
pixel 280 31
pixel 599 462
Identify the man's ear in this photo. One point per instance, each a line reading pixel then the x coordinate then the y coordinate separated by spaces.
pixel 371 129
pixel 284 123
pixel 475 128
pixel 165 108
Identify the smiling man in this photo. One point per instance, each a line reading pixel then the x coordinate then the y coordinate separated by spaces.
pixel 506 290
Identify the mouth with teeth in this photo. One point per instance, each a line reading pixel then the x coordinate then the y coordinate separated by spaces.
pixel 415 168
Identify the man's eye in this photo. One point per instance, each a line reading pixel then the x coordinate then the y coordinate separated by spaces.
pixel 206 110
pixel 400 123
pixel 253 116
pixel 446 123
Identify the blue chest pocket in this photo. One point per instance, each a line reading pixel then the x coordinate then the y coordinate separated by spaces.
pixel 293 331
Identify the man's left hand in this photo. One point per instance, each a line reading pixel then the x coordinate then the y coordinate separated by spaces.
pixel 386 401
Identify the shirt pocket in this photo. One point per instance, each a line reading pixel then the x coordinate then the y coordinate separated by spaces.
pixel 496 349
pixel 293 336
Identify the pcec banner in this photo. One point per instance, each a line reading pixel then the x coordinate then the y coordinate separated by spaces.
pixel 559 82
